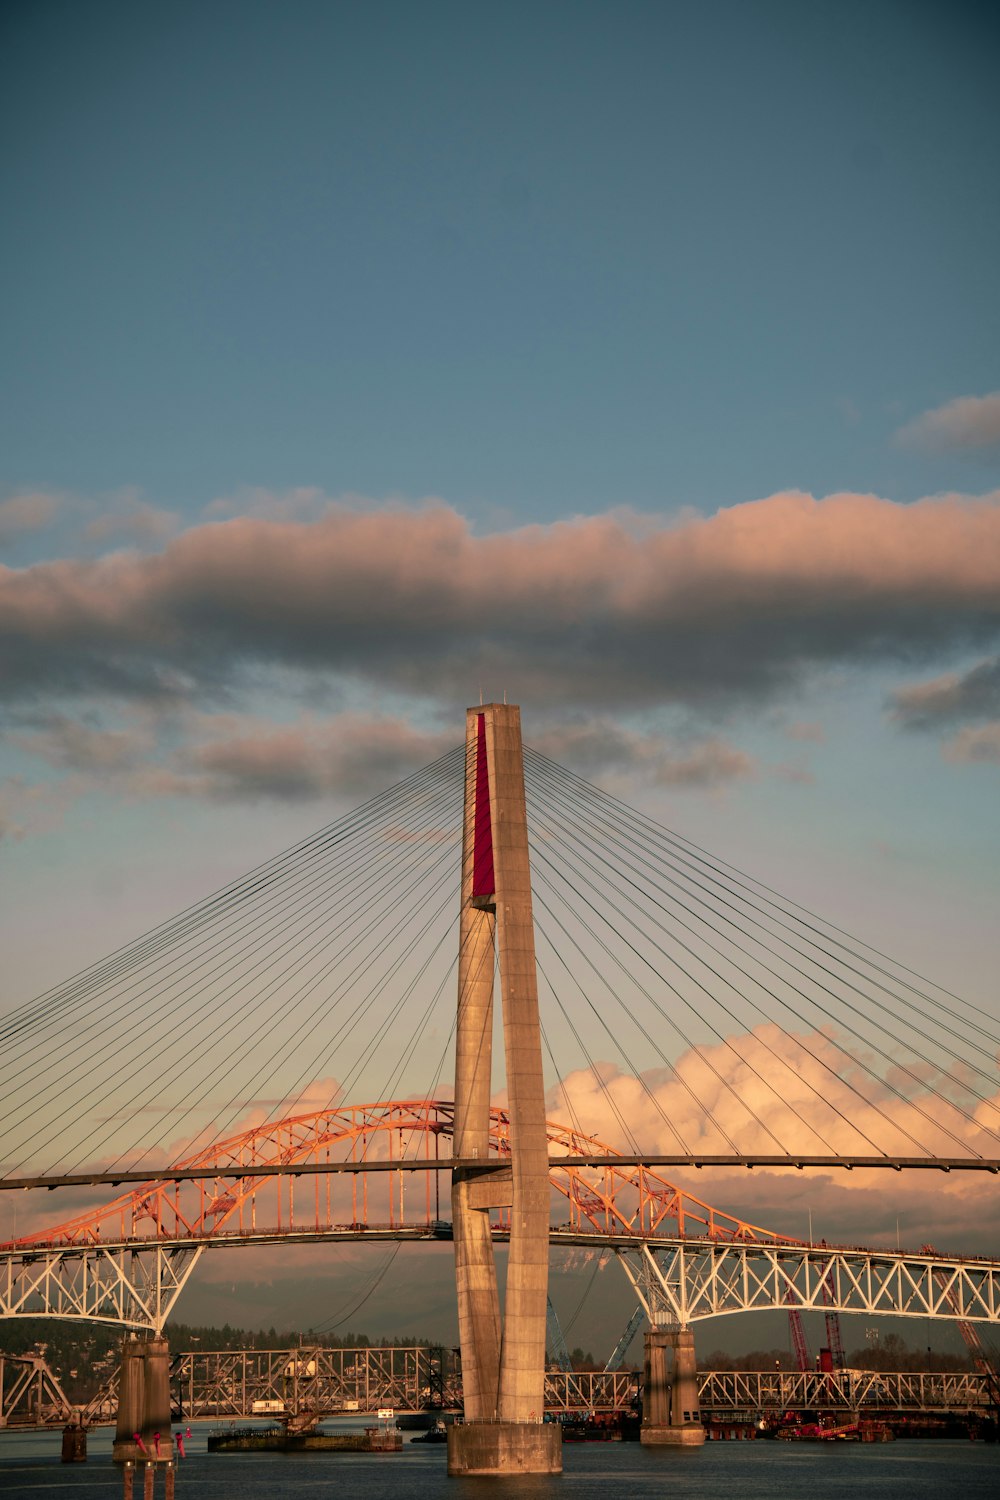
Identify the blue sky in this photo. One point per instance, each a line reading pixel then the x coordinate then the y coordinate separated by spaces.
pixel 638 360
pixel 534 259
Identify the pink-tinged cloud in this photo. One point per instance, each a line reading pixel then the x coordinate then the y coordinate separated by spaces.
pixel 810 733
pixel 950 699
pixel 601 746
pixel 601 610
pixel 241 759
pixel 350 755
pixel 820 1104
pixel 975 745
pixel 133 522
pixel 72 744
pixel 28 809
pixel 23 514
pixel 967 423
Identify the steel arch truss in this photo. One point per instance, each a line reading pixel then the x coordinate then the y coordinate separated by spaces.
pixel 616 1198
pixel 685 1282
pixel 104 1284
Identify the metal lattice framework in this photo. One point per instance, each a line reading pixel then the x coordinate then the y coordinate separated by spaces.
pixel 753 1391
pixel 370 1138
pixel 30 1394
pixel 241 1382
pixel 127 1262
pixel 685 1283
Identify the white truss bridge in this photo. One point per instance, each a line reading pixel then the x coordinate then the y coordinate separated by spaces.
pixel 679 1281
pixel 683 1282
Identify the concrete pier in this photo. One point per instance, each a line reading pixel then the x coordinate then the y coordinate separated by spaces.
pixel 155 1430
pixel 503 1368
pixel 670 1414
pixel 130 1390
pixel 143 1403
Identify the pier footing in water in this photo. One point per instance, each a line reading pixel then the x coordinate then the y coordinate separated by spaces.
pixel 676 1437
pixel 505 1448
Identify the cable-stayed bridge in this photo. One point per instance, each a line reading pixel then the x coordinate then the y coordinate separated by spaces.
pixel 686 1014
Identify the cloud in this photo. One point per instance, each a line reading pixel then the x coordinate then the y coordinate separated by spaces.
pixel 71 744
pixel 950 699
pixel 812 733
pixel 604 611
pixel 134 521
pixel 22 514
pixel 796 775
pixel 975 746
pixel 221 757
pixel 244 760
pixel 967 423
pixel 602 746
pixel 821 1104
pixel 27 808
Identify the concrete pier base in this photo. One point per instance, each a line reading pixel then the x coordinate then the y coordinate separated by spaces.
pixel 505 1448
pixel 676 1437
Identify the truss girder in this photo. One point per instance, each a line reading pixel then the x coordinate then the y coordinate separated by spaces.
pixel 107 1284
pixel 682 1283
pixel 30 1394
pixel 293 1381
pixel 300 1380
pixel 755 1390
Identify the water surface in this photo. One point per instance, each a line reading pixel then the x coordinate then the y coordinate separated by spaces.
pixel 904 1470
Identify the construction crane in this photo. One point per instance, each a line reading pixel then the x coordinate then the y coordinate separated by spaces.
pixel 555 1339
pixel 802 1361
pixel 621 1348
pixel 835 1342
pixel 985 1360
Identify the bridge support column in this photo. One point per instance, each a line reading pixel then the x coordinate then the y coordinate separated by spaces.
pixel 156 1433
pixel 144 1403
pixel 131 1384
pixel 503 1368
pixel 670 1415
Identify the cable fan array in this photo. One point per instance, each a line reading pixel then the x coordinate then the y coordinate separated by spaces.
pixel 685 1006
pixel 735 1019
pixel 324 963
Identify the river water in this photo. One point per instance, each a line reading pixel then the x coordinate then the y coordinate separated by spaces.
pixel 905 1470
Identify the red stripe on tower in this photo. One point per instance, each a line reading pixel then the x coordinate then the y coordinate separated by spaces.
pixel 483 883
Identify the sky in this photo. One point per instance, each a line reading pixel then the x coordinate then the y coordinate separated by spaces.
pixel 637 361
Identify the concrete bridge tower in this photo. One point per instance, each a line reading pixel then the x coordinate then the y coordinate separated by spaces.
pixel 503 1361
